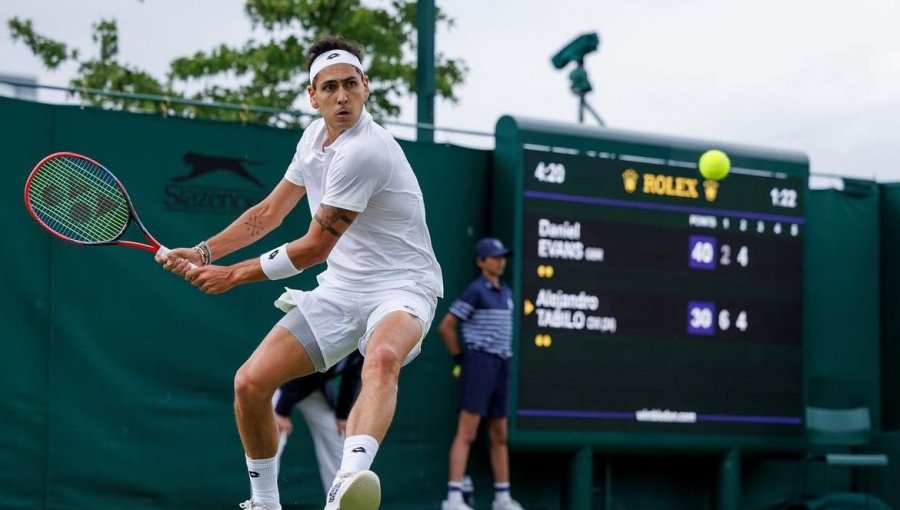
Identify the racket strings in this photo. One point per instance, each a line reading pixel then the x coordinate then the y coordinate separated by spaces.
pixel 66 208
pixel 78 200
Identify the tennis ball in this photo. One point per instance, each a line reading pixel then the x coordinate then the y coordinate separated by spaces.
pixel 714 164
pixel 457 370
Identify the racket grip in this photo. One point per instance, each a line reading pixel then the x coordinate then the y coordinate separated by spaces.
pixel 164 252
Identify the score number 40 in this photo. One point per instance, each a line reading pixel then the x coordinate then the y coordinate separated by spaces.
pixel 703 252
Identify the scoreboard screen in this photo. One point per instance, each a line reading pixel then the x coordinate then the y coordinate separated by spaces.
pixel 651 300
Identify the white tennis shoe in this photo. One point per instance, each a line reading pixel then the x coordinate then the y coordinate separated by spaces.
pixel 455 505
pixel 251 505
pixel 354 491
pixel 508 504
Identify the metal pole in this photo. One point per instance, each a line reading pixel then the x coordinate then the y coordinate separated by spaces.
pixel 581 104
pixel 593 112
pixel 730 480
pixel 581 479
pixel 425 81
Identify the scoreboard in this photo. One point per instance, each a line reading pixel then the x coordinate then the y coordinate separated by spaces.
pixel 650 301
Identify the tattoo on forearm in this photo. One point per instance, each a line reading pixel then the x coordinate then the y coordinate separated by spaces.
pixel 253 226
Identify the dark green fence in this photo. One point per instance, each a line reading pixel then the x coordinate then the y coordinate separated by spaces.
pixel 118 376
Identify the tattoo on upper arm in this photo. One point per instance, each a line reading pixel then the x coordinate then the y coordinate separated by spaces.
pixel 253 226
pixel 328 218
pixel 326 226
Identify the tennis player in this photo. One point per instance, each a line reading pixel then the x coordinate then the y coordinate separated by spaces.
pixel 378 293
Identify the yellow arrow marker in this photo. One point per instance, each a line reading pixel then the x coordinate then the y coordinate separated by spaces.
pixel 529 307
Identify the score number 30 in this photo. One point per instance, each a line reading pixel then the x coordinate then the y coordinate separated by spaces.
pixel 700 319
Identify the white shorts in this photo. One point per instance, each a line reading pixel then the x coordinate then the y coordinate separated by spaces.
pixel 330 322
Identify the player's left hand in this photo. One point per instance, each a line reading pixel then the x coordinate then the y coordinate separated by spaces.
pixel 211 279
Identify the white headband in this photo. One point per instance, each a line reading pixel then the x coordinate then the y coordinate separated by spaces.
pixel 330 58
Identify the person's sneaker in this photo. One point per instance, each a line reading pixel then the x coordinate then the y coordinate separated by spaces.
pixel 455 505
pixel 509 504
pixel 251 505
pixel 354 491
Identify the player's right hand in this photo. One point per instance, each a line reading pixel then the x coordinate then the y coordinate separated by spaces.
pixel 178 260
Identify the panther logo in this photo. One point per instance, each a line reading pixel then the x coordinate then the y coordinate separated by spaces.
pixel 202 164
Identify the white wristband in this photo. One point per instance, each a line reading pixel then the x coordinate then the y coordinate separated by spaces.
pixel 277 265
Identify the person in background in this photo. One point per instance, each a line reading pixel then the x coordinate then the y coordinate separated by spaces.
pixel 484 309
pixel 325 413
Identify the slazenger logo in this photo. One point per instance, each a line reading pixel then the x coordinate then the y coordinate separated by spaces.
pixel 196 191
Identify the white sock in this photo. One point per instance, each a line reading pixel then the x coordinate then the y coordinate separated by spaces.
pixel 264 481
pixel 501 492
pixel 359 452
pixel 454 492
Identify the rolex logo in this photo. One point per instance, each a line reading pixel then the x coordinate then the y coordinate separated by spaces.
pixel 630 179
pixel 710 190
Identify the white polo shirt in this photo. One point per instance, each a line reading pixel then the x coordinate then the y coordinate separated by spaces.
pixel 364 170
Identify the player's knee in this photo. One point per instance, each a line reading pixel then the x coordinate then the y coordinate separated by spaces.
pixel 247 387
pixel 382 363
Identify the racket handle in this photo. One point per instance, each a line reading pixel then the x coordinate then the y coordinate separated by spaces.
pixel 164 252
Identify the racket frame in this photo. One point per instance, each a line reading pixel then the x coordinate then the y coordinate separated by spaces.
pixel 153 247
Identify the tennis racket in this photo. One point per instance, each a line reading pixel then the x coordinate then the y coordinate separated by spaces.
pixel 79 201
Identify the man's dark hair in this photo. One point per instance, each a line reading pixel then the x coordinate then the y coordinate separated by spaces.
pixel 328 43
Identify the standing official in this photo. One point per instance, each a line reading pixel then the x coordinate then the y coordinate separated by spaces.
pixel 485 310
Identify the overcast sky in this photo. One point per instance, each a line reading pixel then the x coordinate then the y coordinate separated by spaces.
pixel 817 76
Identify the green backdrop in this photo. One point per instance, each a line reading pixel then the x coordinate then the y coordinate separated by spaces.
pixel 118 376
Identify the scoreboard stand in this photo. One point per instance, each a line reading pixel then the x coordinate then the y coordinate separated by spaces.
pixel 655 310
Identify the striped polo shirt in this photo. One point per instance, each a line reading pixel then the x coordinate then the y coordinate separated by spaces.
pixel 486 315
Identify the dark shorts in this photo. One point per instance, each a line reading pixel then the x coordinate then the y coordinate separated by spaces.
pixel 484 384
